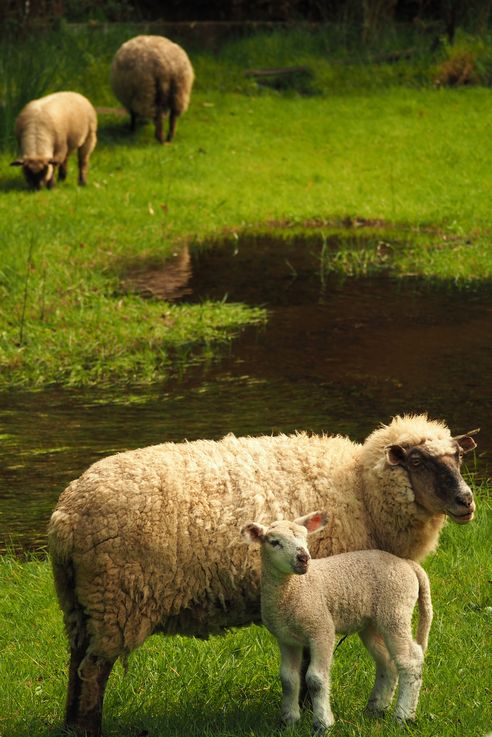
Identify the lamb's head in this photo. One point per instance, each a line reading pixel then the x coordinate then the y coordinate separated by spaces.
pixel 37 171
pixel 433 468
pixel 284 544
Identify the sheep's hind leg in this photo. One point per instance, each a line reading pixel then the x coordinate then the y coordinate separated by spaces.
pixel 173 117
pixel 386 673
pixel 88 676
pixel 409 660
pixel 62 170
pixel 290 666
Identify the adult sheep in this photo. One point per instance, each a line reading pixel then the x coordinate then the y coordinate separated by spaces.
pixel 152 76
pixel 48 130
pixel 137 542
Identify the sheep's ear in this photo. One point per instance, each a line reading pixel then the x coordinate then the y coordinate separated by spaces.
pixel 253 532
pixel 466 443
pixel 313 522
pixel 17 162
pixel 396 455
pixel 53 162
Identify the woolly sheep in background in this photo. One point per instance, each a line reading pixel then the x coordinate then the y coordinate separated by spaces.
pixel 152 76
pixel 147 540
pixel 48 130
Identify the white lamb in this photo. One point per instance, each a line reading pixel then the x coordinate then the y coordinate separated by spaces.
pixel 368 591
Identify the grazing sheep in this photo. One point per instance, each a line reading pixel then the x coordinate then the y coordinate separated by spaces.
pixel 137 542
pixel 151 76
pixel 48 130
pixel 370 592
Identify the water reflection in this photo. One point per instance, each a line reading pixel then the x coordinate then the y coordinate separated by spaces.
pixel 335 357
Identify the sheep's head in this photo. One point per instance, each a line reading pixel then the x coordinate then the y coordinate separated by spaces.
pixel 37 171
pixel 433 468
pixel 284 544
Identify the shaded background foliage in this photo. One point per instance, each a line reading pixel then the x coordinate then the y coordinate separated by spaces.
pixel 370 15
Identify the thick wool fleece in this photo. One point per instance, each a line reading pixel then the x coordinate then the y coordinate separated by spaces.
pixel 54 126
pixel 148 540
pixel 147 70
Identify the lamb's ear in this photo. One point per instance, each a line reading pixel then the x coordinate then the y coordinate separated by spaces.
pixel 17 162
pixel 313 522
pixel 253 532
pixel 396 455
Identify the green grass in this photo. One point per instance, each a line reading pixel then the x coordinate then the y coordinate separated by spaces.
pixel 229 685
pixel 371 144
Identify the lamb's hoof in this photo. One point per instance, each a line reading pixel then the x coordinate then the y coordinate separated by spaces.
pixel 288 722
pixel 375 712
pixel 321 728
pixel 403 719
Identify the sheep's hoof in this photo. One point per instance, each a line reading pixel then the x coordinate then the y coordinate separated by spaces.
pixel 288 722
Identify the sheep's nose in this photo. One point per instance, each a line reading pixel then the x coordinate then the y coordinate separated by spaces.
pixel 303 556
pixel 465 498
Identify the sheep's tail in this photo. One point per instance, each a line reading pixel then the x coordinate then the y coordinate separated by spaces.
pixel 425 606
pixel 60 542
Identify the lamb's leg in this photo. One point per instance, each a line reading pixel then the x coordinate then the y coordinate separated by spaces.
pixel 290 666
pixel 386 673
pixel 318 681
pixel 409 659
pixel 87 683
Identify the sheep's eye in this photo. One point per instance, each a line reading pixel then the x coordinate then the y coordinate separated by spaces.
pixel 415 461
pixel 275 543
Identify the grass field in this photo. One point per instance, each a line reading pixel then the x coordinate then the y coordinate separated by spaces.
pixel 373 145
pixel 229 685
pixel 359 146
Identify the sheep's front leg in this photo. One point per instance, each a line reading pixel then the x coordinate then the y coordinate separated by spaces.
pixel 290 677
pixel 386 673
pixel 318 681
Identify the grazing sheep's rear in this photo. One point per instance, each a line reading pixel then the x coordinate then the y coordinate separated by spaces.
pixel 151 76
pixel 137 542
pixel 48 130
pixel 305 603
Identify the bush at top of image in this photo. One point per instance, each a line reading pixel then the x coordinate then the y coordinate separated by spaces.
pixel 467 61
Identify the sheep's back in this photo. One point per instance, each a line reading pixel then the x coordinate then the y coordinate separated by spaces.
pixel 52 123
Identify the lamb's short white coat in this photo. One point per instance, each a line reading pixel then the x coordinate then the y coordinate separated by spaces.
pixel 304 603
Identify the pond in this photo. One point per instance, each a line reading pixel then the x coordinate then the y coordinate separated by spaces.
pixel 336 356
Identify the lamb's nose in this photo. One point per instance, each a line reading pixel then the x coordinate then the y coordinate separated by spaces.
pixel 302 557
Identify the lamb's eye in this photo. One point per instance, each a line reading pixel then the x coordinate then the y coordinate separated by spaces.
pixel 275 543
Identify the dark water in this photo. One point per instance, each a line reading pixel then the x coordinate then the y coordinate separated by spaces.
pixel 336 357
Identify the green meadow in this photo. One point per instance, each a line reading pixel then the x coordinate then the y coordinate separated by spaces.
pixel 229 685
pixel 360 145
pixel 352 146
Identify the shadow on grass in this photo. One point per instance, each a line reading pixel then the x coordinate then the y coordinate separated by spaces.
pixel 14 183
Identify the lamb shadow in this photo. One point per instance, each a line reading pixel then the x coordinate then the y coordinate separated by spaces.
pixel 238 720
